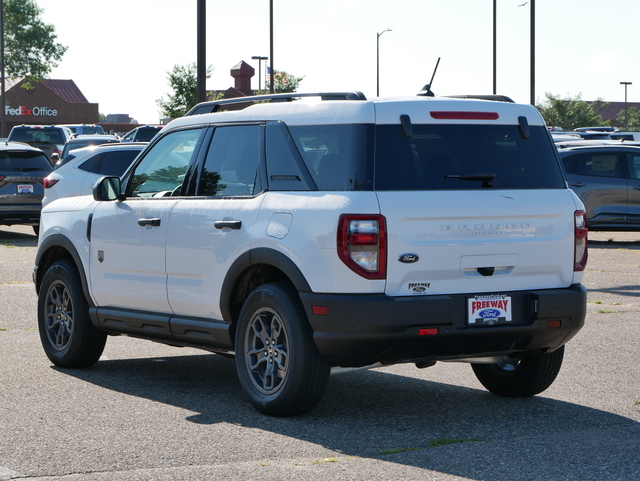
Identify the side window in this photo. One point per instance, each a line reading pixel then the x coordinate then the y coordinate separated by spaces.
pixel 598 165
pixel 634 166
pixel 92 164
pixel 232 161
pixel 284 165
pixel 162 170
pixel 117 162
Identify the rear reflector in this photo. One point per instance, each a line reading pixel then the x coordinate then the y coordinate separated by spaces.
pixel 428 332
pixel 320 310
pixel 465 115
pixel 554 323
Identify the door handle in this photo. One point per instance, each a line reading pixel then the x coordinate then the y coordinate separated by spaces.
pixel 577 184
pixel 231 224
pixel 152 222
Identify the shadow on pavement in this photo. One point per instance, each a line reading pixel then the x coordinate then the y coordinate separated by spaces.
pixel 365 413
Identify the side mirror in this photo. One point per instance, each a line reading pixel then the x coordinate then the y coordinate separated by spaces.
pixel 107 189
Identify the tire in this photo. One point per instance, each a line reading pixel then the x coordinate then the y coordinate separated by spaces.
pixel 36 230
pixel 527 377
pixel 68 337
pixel 277 361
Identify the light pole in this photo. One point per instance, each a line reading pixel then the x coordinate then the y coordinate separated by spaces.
pixel 626 112
pixel 378 61
pixel 259 59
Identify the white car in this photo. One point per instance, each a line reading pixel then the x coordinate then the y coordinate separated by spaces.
pixel 304 235
pixel 80 170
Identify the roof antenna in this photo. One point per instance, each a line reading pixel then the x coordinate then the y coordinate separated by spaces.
pixel 426 90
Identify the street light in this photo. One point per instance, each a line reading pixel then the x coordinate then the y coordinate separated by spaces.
pixel 626 112
pixel 378 61
pixel 259 59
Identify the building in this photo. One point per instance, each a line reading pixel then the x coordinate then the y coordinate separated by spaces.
pixel 48 102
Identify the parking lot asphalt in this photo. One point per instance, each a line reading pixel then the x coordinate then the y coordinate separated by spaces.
pixel 147 411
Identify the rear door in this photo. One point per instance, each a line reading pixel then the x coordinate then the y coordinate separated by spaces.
pixel 598 177
pixel 633 190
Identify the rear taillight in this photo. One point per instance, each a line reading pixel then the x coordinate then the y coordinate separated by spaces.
pixel 362 244
pixel 580 252
pixel 2 177
pixel 49 182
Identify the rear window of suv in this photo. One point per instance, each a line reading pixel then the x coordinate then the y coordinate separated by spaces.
pixel 23 161
pixel 464 157
pixel 30 135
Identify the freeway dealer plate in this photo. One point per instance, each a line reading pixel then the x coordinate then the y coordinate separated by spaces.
pixel 489 310
pixel 25 189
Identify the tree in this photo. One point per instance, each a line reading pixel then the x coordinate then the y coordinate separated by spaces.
pixel 633 120
pixel 184 83
pixel 30 47
pixel 283 82
pixel 571 113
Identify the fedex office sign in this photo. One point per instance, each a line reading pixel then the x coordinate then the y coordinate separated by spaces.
pixel 34 111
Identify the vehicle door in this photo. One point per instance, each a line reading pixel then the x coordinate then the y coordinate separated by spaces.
pixel 209 231
pixel 128 236
pixel 633 190
pixel 598 178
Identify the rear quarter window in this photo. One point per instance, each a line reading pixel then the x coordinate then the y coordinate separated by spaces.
pixel 464 157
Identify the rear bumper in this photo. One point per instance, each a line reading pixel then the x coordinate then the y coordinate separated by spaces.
pixel 364 329
pixel 22 216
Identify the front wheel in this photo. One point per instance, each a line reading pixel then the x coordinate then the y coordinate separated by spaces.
pixel 68 337
pixel 520 378
pixel 276 359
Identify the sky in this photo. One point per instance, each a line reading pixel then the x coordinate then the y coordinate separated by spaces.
pixel 121 51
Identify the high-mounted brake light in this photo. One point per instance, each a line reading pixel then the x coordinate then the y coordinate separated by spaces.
pixel 580 252
pixel 362 244
pixel 446 115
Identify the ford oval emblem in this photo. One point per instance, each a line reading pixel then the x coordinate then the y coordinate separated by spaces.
pixel 408 258
pixel 489 313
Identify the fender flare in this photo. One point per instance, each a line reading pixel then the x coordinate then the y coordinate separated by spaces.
pixel 253 257
pixel 63 242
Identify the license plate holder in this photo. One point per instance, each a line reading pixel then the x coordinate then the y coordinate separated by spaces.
pixel 25 188
pixel 489 310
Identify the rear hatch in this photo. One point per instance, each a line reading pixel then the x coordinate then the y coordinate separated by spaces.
pixel 474 198
pixel 21 177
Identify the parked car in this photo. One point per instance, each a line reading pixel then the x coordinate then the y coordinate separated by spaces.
pixel 83 167
pixel 300 236
pixel 84 129
pixel 22 170
pixel 79 141
pixel 142 134
pixel 626 136
pixel 48 138
pixel 607 180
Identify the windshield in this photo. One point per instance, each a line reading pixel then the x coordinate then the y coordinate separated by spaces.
pixel 463 157
pixel 35 135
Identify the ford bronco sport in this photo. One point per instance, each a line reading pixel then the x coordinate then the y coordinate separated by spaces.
pixel 308 231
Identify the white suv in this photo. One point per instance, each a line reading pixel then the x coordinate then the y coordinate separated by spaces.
pixel 319 230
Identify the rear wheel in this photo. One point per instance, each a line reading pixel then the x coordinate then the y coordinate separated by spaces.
pixel 276 359
pixel 520 378
pixel 68 337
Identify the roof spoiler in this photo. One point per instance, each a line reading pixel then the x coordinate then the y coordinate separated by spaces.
pixel 214 106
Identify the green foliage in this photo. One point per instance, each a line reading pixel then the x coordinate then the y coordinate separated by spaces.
pixel 633 120
pixel 30 47
pixel 571 113
pixel 183 80
pixel 283 83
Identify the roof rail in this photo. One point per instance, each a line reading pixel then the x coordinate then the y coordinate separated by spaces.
pixel 214 106
pixel 497 98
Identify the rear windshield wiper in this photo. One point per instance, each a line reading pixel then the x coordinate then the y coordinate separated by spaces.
pixel 485 177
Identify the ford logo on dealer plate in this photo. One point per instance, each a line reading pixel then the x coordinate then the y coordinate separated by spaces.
pixel 489 313
pixel 408 258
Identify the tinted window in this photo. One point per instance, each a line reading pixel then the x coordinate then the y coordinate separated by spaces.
pixel 23 161
pixel 463 157
pixel 29 135
pixel 110 163
pixel 599 164
pixel 232 161
pixel 161 172
pixel 337 156
pixel 285 169
pixel 146 134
